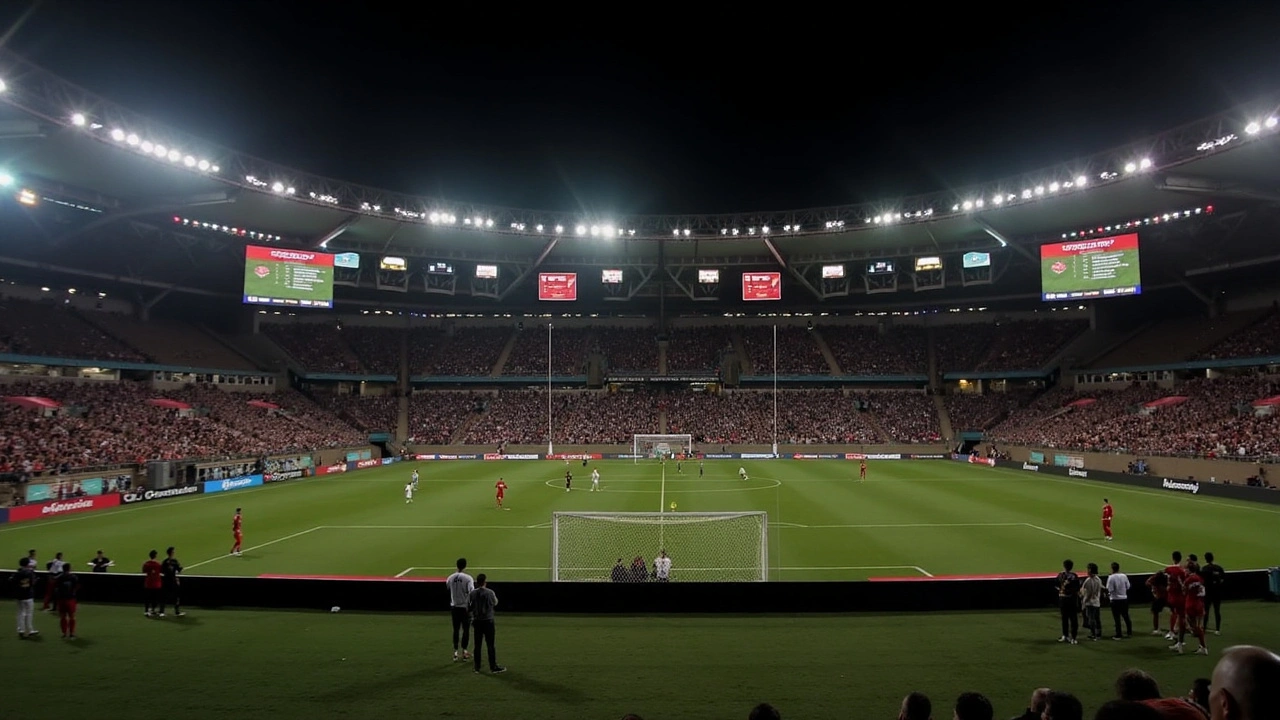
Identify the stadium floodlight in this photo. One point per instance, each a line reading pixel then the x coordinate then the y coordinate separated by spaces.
pixel 1039 190
pixel 174 156
pixel 1271 123
pixel 6 180
pixel 580 230
pixel 1253 128
pixel 676 232
pixel 1054 187
pixel 189 161
pixel 3 86
pixel 538 228
pixel 1144 164
pixel 1081 181
pixel 117 134
pixel 559 229
pixel 997 200
pixel 765 229
pixel 968 205
pixel 133 139
pixel 78 119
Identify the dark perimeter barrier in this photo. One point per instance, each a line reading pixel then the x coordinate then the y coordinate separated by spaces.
pixel 633 599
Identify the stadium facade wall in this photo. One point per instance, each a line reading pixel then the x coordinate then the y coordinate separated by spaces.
pixel 1233 471
pixel 405 595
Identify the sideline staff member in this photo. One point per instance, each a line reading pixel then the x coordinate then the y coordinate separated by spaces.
pixel 481 604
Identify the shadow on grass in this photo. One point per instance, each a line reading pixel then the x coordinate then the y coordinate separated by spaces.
pixel 533 686
pixel 1132 647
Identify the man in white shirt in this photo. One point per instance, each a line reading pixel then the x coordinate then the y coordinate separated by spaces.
pixel 408 493
pixel 460 586
pixel 595 479
pixel 662 567
pixel 415 479
pixel 742 473
pixel 54 567
pixel 1118 591
pixel 1091 602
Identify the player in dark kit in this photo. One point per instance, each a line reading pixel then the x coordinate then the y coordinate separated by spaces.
pixel 1069 602
pixel 568 481
pixel 170 569
pixel 1214 577
pixel 862 470
pixel 152 584
pixel 237 532
pixel 101 562
pixel 65 589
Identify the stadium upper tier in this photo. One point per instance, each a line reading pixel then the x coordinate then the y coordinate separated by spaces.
pixel 98 133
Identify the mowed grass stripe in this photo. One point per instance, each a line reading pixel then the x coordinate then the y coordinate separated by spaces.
pixel 956 512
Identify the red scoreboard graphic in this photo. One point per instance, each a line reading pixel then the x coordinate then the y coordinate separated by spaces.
pixel 762 286
pixel 557 286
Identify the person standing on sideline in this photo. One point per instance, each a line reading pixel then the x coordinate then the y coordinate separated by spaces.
pixel 55 569
pixel 662 567
pixel 24 583
pixel 152 584
pixel 1069 602
pixel 1091 601
pixel 1118 591
pixel 66 588
pixel 170 569
pixel 1214 576
pixel 100 562
pixel 481 604
pixel 460 586
pixel 1107 512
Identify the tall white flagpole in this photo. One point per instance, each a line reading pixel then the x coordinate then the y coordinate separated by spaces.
pixel 775 390
pixel 550 446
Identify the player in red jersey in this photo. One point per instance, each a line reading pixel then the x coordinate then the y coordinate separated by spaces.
pixel 1107 512
pixel 237 532
pixel 501 487
pixel 862 470
pixel 152 582
pixel 66 589
pixel 1175 596
pixel 1194 589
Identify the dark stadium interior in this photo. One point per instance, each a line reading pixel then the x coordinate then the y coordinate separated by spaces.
pixel 590 279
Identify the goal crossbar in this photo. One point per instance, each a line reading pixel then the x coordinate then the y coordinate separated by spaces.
pixel 622 547
pixel 660 446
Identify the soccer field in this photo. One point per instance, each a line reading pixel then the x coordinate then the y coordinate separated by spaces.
pixel 908 519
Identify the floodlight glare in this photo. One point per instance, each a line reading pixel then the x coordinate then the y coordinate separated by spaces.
pixel 78 119
pixel 676 232
pixel 5 179
pixel 1081 181
pixel 1145 163
pixel 1053 187
pixel 538 228
pixel 132 139
pixel 581 230
pixel 998 199
pixel 559 229
pixel 117 135
pixel 3 86
pixel 1270 123
pixel 277 186
pixel 1130 167
pixel 189 161
pixel 147 147
pixel 174 156
pixel 1253 128
pixel 968 205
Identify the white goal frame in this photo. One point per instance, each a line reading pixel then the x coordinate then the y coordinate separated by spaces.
pixel 711 561
pixel 684 442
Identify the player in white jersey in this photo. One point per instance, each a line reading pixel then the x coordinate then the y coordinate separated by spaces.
pixel 742 473
pixel 408 493
pixel 415 479
pixel 662 567
pixel 595 479
pixel 460 585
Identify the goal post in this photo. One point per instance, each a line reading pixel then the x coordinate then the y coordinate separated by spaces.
pixel 703 546
pixel 660 446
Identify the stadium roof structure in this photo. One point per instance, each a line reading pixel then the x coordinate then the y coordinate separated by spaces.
pixel 123 173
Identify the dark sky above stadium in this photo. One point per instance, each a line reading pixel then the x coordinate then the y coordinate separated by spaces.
pixel 610 112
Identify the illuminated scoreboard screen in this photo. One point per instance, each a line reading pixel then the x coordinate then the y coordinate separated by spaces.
pixel 1082 269
pixel 287 278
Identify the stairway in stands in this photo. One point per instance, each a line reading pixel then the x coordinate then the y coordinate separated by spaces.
pixel 944 419
pixel 505 355
pixel 830 357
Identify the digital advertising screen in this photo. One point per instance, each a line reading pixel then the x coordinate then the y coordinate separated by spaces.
pixel 881 267
pixel 931 262
pixel 762 286
pixel 557 286
pixel 832 272
pixel 611 277
pixel 708 277
pixel 1079 269
pixel 976 260
pixel 487 272
pixel 288 278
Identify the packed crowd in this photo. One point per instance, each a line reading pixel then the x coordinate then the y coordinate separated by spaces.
pixel 746 417
pixel 1258 340
pixel 113 423
pixel 378 348
pixel 905 416
pixel 970 411
pixel 697 349
pixel 168 342
pixel 577 417
pixel 469 352
pixel 569 347
pixel 434 417
pixel 797 351
pixel 319 347
pixel 36 328
pixel 1004 345
pixel 628 349
pixel 1216 420
pixel 866 350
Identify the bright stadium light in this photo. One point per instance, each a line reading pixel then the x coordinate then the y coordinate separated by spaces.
pixel 1270 123
pixel 1144 164
pixel 117 135
pixel 559 229
pixel 133 139
pixel 3 86
pixel 1081 181
pixel 1054 187
pixel 537 228
pixel 174 156
pixel 78 119
pixel 1253 128
pixel 998 200
pixel 277 186
pixel 580 230
pixel 6 180
pixel 189 161
pixel 203 165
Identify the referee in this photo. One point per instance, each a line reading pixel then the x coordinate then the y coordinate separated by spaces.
pixel 460 586
pixel 481 603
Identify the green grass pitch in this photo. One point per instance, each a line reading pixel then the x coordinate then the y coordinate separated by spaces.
pixel 908 518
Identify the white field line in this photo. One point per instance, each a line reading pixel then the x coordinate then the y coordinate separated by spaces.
pixel 112 512
pixel 545 526
pixel 256 547
pixel 917 568
pixel 913 525
pixel 406 571
pixel 435 527
pixel 1094 544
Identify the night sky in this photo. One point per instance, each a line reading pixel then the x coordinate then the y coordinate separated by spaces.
pixel 605 111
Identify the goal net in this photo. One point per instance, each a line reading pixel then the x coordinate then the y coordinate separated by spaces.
pixel 661 446
pixel 703 547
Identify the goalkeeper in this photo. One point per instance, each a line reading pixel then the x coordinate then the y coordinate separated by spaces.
pixel 742 474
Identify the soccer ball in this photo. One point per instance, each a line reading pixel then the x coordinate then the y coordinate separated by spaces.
pixel 335 608
pixel 673 506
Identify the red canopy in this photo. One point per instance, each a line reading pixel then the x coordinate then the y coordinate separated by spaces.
pixel 264 405
pixel 1166 401
pixel 169 404
pixel 33 403
pixel 1082 402
pixel 1267 402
